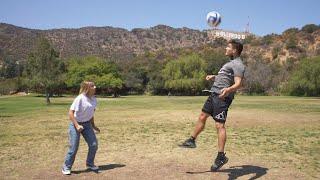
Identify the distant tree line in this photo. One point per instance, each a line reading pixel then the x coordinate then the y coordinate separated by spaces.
pixel 176 72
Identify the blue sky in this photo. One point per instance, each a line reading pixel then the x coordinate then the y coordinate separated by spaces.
pixel 265 16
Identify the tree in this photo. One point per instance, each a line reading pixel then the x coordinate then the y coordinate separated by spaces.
pixel 185 75
pixel 44 69
pixel 267 39
pixel 105 74
pixel 290 31
pixel 275 52
pixel 10 68
pixel 214 59
pixel 10 74
pixel 310 28
pixel 291 42
pixel 305 79
pixel 143 73
pixel 258 76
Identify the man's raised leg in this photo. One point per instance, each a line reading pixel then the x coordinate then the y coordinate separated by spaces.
pixel 190 142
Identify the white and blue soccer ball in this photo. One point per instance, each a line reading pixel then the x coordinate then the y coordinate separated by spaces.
pixel 213 19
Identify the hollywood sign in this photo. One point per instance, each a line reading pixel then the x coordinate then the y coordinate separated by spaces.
pixel 226 34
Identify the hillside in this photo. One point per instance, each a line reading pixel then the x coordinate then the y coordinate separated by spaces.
pixel 117 43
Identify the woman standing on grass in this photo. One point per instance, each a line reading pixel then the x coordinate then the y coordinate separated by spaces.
pixel 82 121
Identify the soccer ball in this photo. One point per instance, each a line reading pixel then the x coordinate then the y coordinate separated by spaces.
pixel 213 19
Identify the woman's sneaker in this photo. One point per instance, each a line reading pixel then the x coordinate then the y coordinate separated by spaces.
pixel 93 168
pixel 66 171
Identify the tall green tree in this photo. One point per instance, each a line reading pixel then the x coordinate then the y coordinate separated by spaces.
pixel 105 74
pixel 185 75
pixel 305 80
pixel 143 74
pixel 215 58
pixel 45 71
pixel 10 68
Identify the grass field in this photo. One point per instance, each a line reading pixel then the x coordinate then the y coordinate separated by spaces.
pixel 268 137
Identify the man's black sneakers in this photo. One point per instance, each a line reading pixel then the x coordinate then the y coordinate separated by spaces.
pixel 219 162
pixel 189 143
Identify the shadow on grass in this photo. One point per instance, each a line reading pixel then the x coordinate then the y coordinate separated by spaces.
pixel 235 172
pixel 4 116
pixel 44 96
pixel 60 104
pixel 101 168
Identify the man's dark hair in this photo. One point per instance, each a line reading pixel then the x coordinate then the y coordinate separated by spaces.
pixel 236 45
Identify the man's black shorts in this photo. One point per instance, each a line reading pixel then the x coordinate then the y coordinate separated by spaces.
pixel 216 107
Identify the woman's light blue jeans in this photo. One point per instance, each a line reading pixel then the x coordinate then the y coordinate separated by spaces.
pixel 74 138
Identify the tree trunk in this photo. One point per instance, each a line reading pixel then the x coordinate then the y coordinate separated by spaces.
pixel 47 97
pixel 115 94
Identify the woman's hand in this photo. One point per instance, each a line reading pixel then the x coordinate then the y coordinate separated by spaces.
pixel 79 128
pixel 96 129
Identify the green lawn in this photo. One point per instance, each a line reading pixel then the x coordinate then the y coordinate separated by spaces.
pixel 281 134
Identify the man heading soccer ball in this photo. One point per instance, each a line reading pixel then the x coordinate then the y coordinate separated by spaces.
pixel 225 85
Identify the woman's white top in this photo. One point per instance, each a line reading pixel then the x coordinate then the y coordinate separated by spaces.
pixel 84 107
